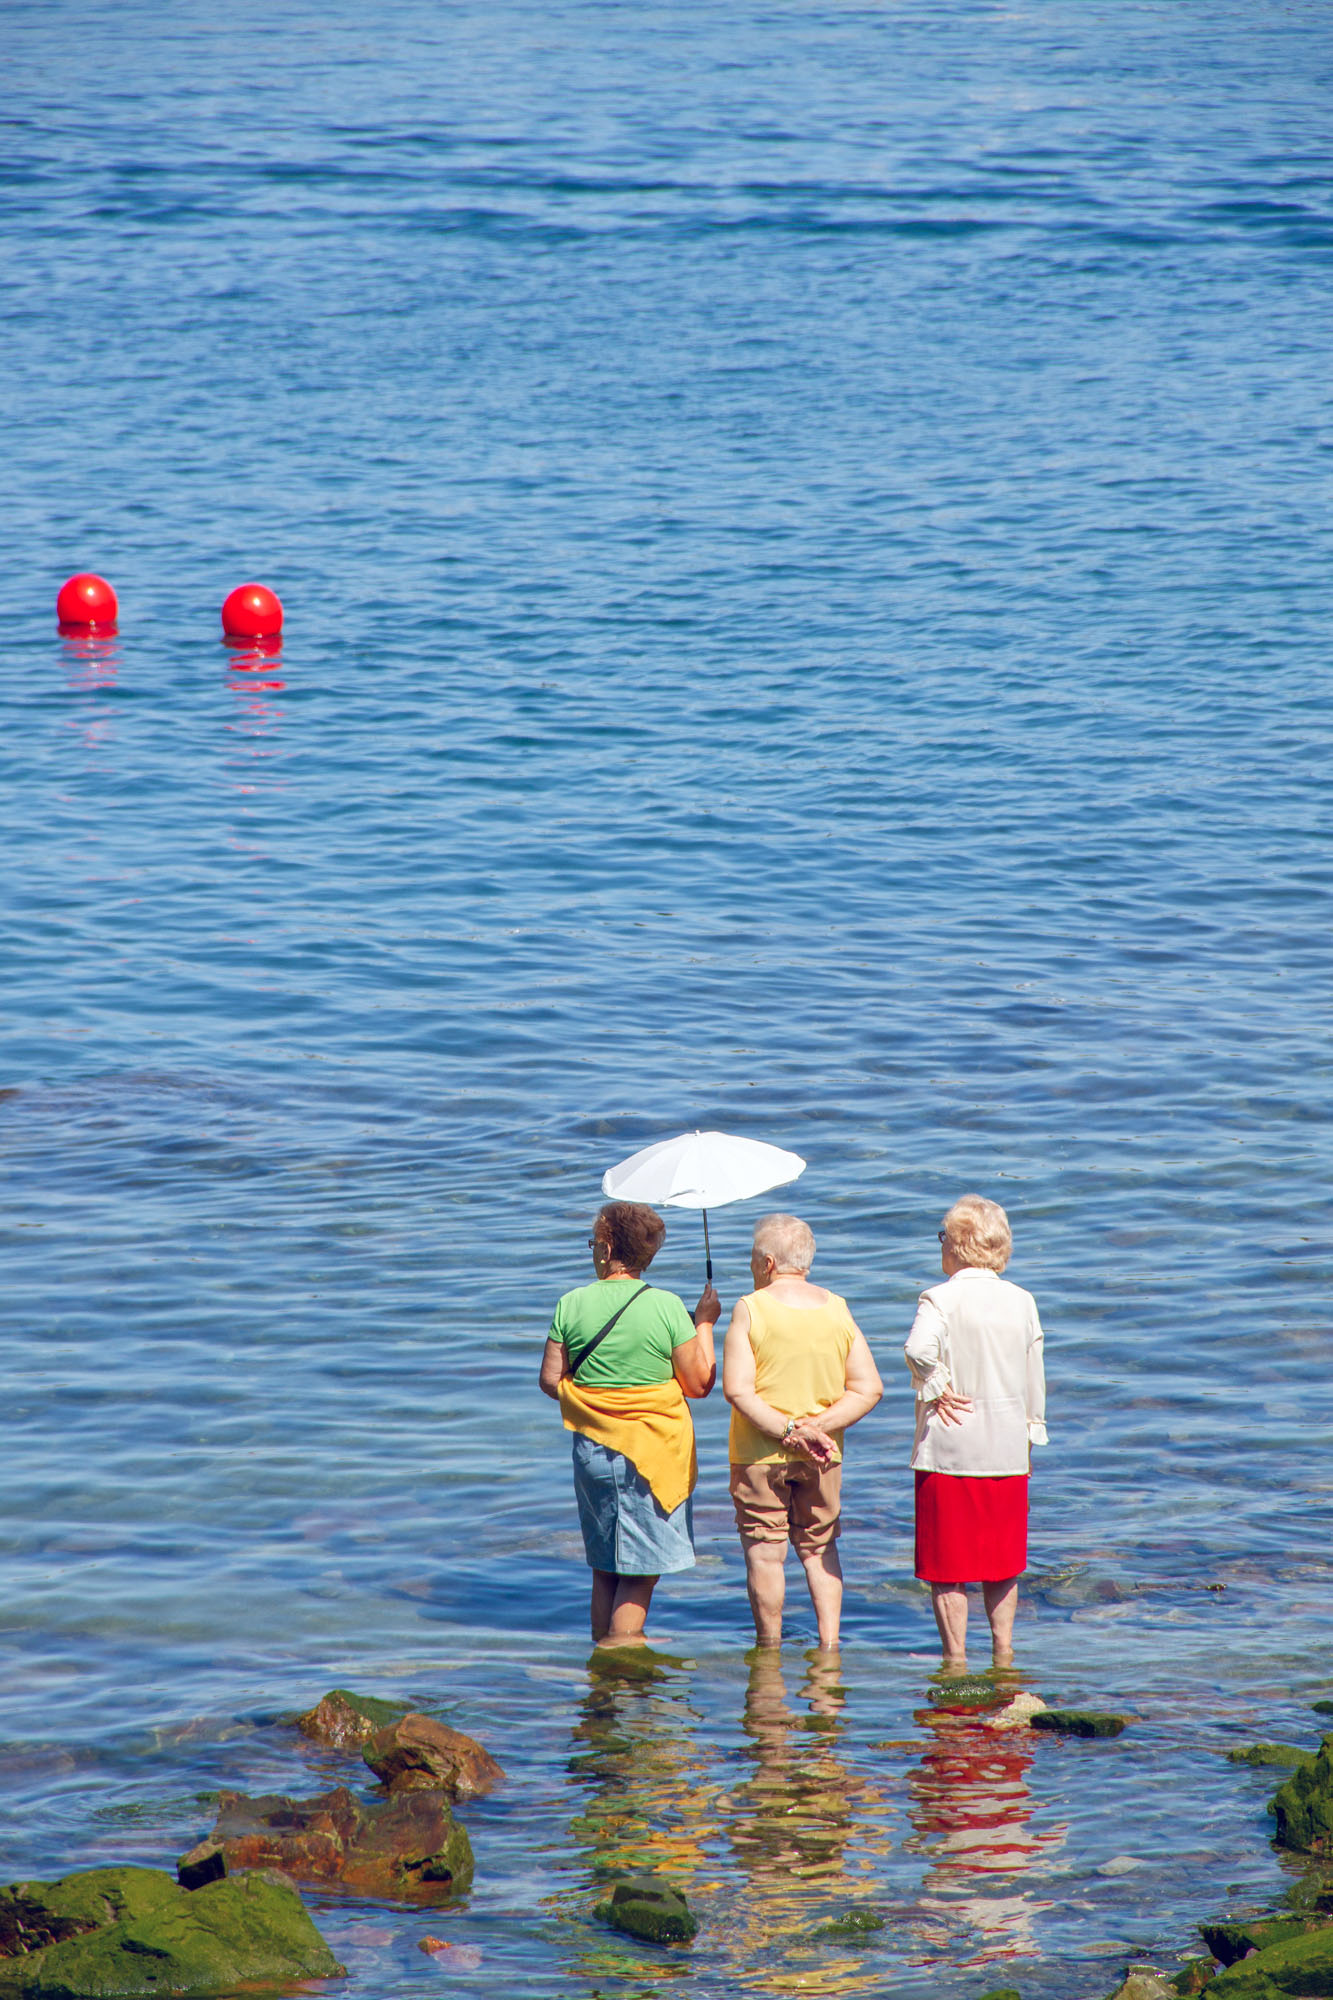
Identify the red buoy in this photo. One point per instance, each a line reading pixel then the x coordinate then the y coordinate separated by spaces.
pixel 252 612
pixel 87 603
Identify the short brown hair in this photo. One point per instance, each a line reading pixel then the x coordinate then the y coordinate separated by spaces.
pixel 634 1233
pixel 978 1233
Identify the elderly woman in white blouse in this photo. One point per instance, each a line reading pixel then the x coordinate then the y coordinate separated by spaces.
pixel 975 1353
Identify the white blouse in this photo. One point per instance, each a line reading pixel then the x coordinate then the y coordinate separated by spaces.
pixel 978 1335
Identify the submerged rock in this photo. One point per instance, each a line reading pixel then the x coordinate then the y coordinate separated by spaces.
pixel 345 1720
pixel 1282 1756
pixel 416 1754
pixel 1078 1722
pixel 966 1691
pixel 132 1932
pixel 645 1906
pixel 1303 1807
pixel 409 1848
pixel 860 1921
pixel 1300 1965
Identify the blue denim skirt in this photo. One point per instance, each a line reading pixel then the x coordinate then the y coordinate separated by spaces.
pixel 624 1529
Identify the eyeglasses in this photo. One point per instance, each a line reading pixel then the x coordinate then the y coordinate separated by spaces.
pixel 943 1235
pixel 592 1242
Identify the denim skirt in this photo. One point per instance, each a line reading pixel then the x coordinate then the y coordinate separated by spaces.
pixel 624 1529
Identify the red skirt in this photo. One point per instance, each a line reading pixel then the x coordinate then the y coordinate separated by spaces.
pixel 971 1530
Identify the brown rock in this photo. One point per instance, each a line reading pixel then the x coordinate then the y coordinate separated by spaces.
pixel 418 1754
pixel 345 1720
pixel 408 1848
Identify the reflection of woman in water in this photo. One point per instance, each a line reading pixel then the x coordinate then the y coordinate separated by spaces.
pixel 975 1353
pixel 620 1360
pixel 971 1810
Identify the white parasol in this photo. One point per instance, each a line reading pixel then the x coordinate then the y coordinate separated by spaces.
pixel 701 1170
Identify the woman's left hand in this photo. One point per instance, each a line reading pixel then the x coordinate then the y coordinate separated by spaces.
pixel 950 1407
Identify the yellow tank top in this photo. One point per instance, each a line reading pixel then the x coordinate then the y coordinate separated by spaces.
pixel 800 1365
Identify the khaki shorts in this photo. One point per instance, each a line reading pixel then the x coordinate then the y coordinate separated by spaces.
pixel 792 1500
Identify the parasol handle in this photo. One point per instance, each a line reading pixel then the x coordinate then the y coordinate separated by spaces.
pixel 708 1255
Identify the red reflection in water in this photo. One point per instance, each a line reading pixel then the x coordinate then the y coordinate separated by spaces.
pixel 972 1811
pixel 90 659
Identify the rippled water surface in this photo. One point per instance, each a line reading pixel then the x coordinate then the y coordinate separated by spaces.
pixel 805 533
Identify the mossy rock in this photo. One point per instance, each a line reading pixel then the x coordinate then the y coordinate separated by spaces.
pixel 1300 1965
pixel 1078 1722
pixel 133 1933
pixel 967 1691
pixel 1231 1942
pixel 1282 1756
pixel 860 1921
pixel 344 1721
pixel 1003 1993
pixel 1193 1976
pixel 1322 1707
pixel 646 1907
pixel 1303 1807
pixel 1143 1982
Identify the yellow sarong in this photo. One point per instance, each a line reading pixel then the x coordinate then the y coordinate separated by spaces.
pixel 650 1425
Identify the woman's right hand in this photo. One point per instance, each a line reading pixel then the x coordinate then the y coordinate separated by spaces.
pixel 709 1309
pixel 950 1407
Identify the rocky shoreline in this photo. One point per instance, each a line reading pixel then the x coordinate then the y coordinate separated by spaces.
pixel 233 1915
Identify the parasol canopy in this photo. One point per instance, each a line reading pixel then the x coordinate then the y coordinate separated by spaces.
pixel 701 1170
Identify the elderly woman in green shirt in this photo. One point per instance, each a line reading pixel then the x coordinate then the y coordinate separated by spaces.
pixel 621 1359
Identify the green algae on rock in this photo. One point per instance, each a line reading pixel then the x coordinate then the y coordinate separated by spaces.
pixel 1078 1722
pixel 860 1921
pixel 1144 1982
pixel 966 1691
pixel 133 1933
pixel 1303 1807
pixel 344 1721
pixel 1300 1965
pixel 1282 1756
pixel 1231 1942
pixel 645 1906
pixel 1003 1993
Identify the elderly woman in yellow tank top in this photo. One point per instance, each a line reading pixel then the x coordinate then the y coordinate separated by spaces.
pixel 797 1372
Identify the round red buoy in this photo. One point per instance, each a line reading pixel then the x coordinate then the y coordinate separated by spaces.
pixel 252 612
pixel 87 602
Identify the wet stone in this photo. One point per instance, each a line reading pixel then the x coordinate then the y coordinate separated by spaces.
pixel 1303 1807
pixel 646 1907
pixel 1282 1756
pixel 966 1691
pixel 344 1721
pixel 1300 1965
pixel 409 1849
pixel 1002 1993
pixel 1231 1942
pixel 416 1753
pixel 1078 1722
pixel 1144 1982
pixel 860 1921
pixel 133 1932
pixel 1194 1975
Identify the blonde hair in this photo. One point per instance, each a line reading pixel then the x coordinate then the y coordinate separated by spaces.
pixel 978 1233
pixel 787 1240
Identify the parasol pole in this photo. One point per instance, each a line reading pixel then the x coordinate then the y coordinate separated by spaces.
pixel 708 1255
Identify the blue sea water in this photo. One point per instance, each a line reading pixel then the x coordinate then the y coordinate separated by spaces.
pixel 805 534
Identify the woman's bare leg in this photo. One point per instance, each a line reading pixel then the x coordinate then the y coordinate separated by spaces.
pixel 766 1581
pixel 950 1603
pixel 1001 1603
pixel 626 1611
pixel 823 1573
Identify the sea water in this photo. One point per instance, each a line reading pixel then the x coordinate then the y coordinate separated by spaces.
pixel 805 536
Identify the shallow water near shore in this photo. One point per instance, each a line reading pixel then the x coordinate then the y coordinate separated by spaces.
pixel 805 537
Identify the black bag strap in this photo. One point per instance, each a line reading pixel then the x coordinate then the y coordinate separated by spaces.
pixel 598 1338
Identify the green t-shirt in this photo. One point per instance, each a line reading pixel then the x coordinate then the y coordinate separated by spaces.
pixel 638 1348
